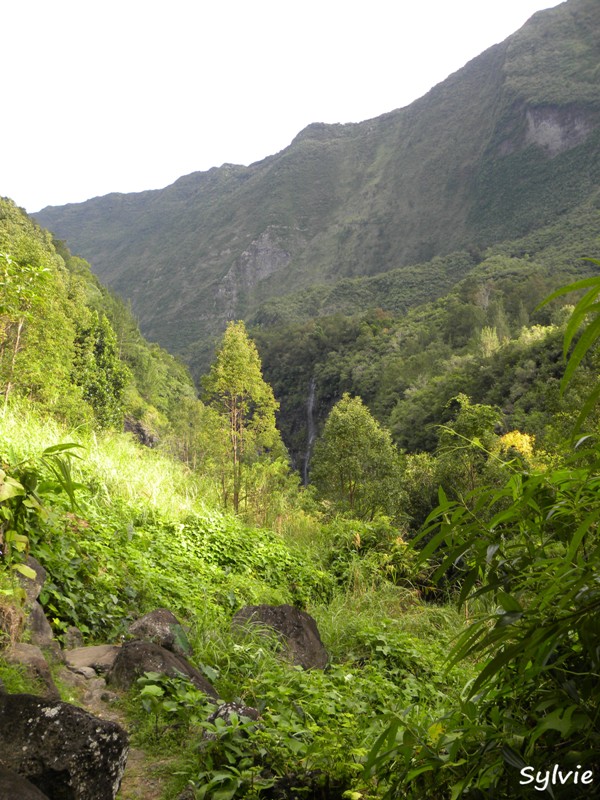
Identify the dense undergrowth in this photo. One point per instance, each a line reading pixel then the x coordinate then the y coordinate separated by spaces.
pixel 455 586
pixel 137 534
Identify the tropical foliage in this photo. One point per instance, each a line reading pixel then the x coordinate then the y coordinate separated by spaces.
pixel 454 580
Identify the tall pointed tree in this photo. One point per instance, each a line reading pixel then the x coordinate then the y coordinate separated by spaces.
pixel 236 388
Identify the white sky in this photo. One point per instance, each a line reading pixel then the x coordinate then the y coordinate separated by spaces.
pixel 125 95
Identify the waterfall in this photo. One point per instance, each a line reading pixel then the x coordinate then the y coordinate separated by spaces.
pixel 310 427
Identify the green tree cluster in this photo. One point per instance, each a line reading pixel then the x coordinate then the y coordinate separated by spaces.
pixel 99 371
pixel 356 467
pixel 246 406
pixel 69 345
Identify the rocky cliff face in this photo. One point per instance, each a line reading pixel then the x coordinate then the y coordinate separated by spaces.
pixel 556 129
pixel 264 257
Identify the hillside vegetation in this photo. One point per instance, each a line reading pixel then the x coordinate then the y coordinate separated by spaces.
pixel 452 578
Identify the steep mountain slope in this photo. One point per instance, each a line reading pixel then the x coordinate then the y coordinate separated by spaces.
pixel 505 145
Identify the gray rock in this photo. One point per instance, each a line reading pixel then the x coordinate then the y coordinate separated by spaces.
pixel 73 638
pixel 15 787
pixel 66 752
pixel 33 586
pixel 135 658
pixel 225 710
pixel 99 658
pixel 86 672
pixel 34 661
pixel 39 627
pixel 163 628
pixel 296 629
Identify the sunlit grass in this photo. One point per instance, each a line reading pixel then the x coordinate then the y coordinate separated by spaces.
pixel 113 465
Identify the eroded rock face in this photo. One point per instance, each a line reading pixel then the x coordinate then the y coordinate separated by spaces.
pixel 34 661
pixel 98 658
pixel 33 586
pixel 265 256
pixel 38 626
pixel 65 752
pixel 163 628
pixel 15 787
pixel 141 433
pixel 135 658
pixel 556 129
pixel 297 629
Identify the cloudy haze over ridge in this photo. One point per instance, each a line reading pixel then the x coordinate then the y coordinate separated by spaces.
pixel 126 96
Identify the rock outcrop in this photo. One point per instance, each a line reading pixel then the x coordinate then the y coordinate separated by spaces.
pixel 40 632
pixel 94 660
pixel 136 658
pixel 163 628
pixel 15 787
pixel 296 629
pixel 65 752
pixel 33 660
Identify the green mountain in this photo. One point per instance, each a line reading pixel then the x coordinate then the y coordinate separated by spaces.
pixel 70 346
pixel 505 145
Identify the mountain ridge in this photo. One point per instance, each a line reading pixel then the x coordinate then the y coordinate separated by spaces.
pixel 504 145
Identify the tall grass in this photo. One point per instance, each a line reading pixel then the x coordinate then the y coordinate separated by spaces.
pixel 114 466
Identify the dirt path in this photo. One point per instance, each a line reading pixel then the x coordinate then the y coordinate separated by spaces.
pixel 145 776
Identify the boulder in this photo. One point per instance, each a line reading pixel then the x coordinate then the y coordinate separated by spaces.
pixel 65 752
pixel 98 658
pixel 224 713
pixel 38 626
pixel 33 586
pixel 73 638
pixel 34 661
pixel 163 628
pixel 15 787
pixel 296 629
pixel 225 710
pixel 135 658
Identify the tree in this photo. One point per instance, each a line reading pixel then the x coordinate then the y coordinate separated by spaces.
pixel 21 290
pixel 99 371
pixel 236 389
pixel 465 444
pixel 355 465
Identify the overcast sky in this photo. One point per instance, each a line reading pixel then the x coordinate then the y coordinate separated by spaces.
pixel 124 95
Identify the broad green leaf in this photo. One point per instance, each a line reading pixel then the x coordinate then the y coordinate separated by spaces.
pixel 585 342
pixel 23 569
pixel 572 287
pixel 9 487
pixel 508 602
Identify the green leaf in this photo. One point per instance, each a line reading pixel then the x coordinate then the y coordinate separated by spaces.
pixel 572 287
pixel 581 531
pixel 62 448
pixel 23 569
pixel 9 487
pixel 152 690
pixel 512 758
pixel 508 602
pixel 586 340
